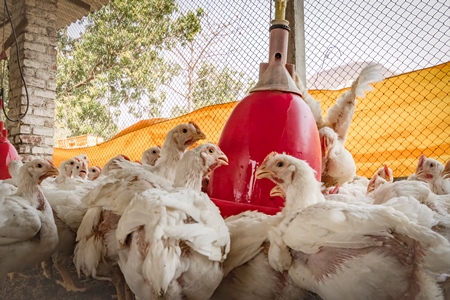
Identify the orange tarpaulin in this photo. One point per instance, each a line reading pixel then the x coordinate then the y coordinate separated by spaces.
pixel 405 116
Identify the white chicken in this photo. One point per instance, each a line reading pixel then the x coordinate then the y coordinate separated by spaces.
pixel 248 274
pixel 7 188
pixel 386 173
pixel 80 171
pixel 349 251
pixel 28 233
pixel 65 175
pixel 96 234
pixel 338 165
pixel 439 204
pixel 383 175
pixel 94 172
pixel 68 211
pixel 172 243
pixel 85 160
pixel 13 169
pixel 118 162
pixel 352 191
pixel 430 170
pixel 151 155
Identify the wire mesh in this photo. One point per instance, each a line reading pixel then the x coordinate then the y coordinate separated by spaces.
pixel 343 36
pixel 136 60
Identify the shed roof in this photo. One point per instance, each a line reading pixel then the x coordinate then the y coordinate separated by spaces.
pixel 68 11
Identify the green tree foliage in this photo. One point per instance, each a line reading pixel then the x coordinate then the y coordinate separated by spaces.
pixel 205 83
pixel 118 62
pixel 216 86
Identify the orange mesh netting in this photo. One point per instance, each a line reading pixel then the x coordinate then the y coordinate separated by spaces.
pixel 405 116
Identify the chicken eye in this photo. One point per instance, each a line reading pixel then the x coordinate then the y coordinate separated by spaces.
pixel 71 162
pixel 280 164
pixel 39 165
pixel 94 170
pixel 431 165
pixel 184 130
pixel 154 152
pixel 211 150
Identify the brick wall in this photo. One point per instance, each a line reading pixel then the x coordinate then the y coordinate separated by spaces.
pixel 33 135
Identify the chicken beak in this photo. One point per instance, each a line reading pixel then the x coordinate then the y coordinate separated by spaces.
pixel 388 176
pixel 52 171
pixel 261 172
pixel 222 160
pixel 199 136
pixel 277 191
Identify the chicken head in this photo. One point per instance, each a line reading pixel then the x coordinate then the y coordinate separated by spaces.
pixel 386 173
pixel 66 167
pixel 278 168
pixel 94 172
pixel 186 135
pixel 151 155
pixel 375 182
pixel 212 156
pixel 80 169
pixel 38 169
pixel 428 168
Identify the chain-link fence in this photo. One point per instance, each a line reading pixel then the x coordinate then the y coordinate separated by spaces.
pixel 403 36
pixel 136 60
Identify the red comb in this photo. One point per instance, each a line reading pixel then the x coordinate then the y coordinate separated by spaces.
pixel 125 157
pixel 194 124
pixel 50 162
pixel 421 160
pixel 270 155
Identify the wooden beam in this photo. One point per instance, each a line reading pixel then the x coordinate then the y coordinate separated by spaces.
pixel 19 30
pixel 296 46
pixel 81 4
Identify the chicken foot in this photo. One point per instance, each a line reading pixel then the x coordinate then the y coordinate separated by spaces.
pixel 68 281
pixel 16 275
pixel 47 269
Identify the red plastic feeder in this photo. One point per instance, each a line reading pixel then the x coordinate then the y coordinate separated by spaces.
pixel 7 152
pixel 272 118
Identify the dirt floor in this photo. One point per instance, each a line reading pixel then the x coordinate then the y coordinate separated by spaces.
pixel 36 287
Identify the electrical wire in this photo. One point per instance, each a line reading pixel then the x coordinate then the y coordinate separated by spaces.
pixel 20 70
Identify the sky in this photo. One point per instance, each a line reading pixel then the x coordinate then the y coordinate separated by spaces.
pixel 340 37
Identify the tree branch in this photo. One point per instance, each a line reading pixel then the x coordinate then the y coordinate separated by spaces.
pixel 175 91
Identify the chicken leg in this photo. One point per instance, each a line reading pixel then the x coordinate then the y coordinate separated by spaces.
pixel 68 281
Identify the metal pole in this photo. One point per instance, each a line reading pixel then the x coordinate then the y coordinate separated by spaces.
pixel 296 46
